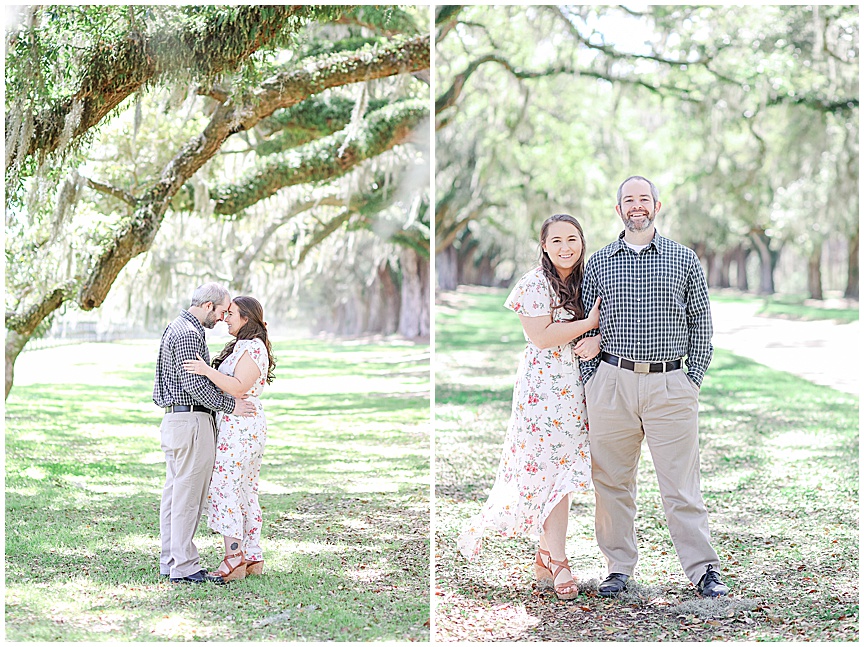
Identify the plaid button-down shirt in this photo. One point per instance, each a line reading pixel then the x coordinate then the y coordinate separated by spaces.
pixel 654 305
pixel 184 339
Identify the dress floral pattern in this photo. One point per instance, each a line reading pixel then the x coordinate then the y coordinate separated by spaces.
pixel 546 455
pixel 233 508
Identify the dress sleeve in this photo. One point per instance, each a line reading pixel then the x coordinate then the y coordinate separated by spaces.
pixel 531 296
pixel 258 352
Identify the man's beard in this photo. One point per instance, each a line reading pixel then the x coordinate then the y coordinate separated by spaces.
pixel 209 320
pixel 632 226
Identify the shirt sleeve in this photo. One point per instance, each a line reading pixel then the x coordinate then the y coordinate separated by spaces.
pixel 590 292
pixel 531 296
pixel 699 325
pixel 199 387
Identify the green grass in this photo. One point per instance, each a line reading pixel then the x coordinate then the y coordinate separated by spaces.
pixel 779 462
pixel 344 490
pixel 791 306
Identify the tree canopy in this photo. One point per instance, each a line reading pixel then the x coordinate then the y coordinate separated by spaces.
pixel 735 112
pixel 304 121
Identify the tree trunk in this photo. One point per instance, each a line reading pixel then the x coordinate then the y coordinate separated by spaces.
pixel 852 268
pixel 20 328
pixel 414 309
pixel 725 265
pixel 15 343
pixel 711 266
pixel 767 260
pixel 814 272
pixel 447 268
pixel 742 253
pixel 384 302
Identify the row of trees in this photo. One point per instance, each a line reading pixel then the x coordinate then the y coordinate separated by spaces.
pixel 277 148
pixel 745 117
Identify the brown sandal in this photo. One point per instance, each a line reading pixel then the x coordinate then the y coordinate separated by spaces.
pixel 561 590
pixel 236 573
pixel 255 567
pixel 541 571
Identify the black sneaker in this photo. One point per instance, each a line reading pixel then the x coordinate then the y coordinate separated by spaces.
pixel 710 585
pixel 613 585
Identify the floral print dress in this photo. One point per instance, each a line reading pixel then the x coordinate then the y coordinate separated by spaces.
pixel 233 508
pixel 545 456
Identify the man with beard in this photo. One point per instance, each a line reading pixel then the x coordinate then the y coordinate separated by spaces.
pixel 188 430
pixel 654 313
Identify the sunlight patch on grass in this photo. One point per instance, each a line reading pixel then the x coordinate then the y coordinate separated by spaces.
pixel 82 539
pixel 177 624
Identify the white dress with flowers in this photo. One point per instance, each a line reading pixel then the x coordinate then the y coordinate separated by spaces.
pixel 233 508
pixel 545 456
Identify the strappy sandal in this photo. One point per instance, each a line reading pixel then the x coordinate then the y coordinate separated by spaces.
pixel 255 567
pixel 541 571
pixel 236 573
pixel 561 591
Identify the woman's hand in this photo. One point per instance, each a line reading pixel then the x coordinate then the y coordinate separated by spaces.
pixel 588 347
pixel 593 317
pixel 197 366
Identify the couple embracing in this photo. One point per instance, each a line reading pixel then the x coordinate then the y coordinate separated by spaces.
pixel 213 434
pixel 619 365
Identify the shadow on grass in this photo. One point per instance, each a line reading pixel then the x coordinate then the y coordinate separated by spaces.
pixel 779 477
pixel 344 494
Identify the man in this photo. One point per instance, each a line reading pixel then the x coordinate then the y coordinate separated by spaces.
pixel 188 430
pixel 654 313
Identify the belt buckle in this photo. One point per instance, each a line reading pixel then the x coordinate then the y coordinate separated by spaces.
pixel 641 367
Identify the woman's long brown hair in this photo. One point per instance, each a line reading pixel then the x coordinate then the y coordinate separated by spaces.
pixel 569 291
pixel 254 328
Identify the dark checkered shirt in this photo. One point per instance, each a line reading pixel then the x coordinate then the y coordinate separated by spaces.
pixel 654 305
pixel 184 339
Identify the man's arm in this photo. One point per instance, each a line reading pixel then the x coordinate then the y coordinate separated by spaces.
pixel 590 292
pixel 699 326
pixel 199 387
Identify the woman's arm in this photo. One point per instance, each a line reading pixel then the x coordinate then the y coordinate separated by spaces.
pixel 245 374
pixel 543 333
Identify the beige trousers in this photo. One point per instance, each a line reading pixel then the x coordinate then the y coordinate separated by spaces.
pixel 624 407
pixel 189 443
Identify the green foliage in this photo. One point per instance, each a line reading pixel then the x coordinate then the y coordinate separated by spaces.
pixel 311 119
pixel 736 113
pixel 320 159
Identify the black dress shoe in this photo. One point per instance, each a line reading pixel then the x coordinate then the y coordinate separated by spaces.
pixel 710 586
pixel 196 578
pixel 612 585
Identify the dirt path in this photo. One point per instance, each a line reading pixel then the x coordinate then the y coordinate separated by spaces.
pixel 823 352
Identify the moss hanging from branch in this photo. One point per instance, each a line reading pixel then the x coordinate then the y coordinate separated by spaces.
pixel 210 41
pixel 136 236
pixel 311 119
pixel 319 160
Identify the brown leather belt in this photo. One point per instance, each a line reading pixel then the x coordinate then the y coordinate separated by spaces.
pixel 641 367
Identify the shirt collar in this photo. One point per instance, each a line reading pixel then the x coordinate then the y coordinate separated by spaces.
pixel 193 319
pixel 658 243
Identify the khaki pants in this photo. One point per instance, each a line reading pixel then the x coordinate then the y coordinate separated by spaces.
pixel 189 443
pixel 624 407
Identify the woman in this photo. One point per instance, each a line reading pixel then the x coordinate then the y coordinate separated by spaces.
pixel 244 365
pixel 545 457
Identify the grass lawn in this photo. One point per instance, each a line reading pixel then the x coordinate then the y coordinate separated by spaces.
pixel 344 488
pixel 790 306
pixel 779 476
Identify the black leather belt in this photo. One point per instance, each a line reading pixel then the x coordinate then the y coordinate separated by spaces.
pixel 185 408
pixel 641 367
